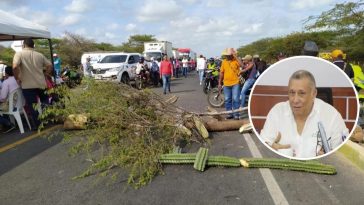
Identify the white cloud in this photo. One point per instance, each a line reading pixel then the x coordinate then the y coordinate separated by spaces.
pixel 305 4
pixel 157 10
pixel 221 26
pixel 186 23
pixel 78 6
pixel 110 35
pixel 190 1
pixel 71 19
pixel 44 18
pixel 81 31
pixel 114 26
pixel 217 3
pixel 253 28
pixel 131 27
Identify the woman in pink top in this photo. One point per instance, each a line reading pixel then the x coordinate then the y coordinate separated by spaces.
pixel 166 71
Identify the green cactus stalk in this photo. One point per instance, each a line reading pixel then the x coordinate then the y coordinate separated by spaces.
pixel 287 164
pixel 201 159
pixel 177 158
pixel 223 161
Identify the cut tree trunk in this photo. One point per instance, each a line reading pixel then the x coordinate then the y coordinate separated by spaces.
pixel 225 125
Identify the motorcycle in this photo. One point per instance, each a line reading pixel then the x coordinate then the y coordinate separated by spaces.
pixel 216 99
pixel 141 80
pixel 70 78
pixel 210 81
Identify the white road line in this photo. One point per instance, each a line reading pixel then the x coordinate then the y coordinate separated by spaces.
pixel 272 185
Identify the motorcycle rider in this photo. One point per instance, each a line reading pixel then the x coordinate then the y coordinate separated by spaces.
pixel 142 69
pixel 212 66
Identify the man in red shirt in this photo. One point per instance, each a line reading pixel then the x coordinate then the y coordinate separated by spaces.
pixel 166 71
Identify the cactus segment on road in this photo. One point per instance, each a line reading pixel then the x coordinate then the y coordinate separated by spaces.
pixel 201 159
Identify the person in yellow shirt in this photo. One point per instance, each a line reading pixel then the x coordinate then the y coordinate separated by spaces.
pixel 229 75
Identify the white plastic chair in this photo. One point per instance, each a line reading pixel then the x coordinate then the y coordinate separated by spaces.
pixel 17 109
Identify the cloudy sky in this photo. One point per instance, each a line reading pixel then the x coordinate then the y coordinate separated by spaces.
pixel 205 26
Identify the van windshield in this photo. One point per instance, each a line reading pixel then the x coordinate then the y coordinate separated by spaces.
pixel 155 55
pixel 114 59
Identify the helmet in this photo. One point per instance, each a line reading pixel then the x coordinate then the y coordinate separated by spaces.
pixel 141 59
pixel 337 52
pixel 211 59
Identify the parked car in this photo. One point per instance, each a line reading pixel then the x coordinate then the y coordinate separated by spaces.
pixel 120 66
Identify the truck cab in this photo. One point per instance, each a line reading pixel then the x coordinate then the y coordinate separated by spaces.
pixel 157 49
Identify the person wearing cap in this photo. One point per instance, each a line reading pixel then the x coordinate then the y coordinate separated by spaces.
pixel 29 67
pixel 338 59
pixel 229 75
pixel 57 64
pixel 249 72
pixel 292 127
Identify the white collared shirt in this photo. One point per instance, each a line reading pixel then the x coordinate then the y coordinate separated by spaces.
pixel 280 119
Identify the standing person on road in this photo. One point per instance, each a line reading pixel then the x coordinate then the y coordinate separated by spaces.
pixel 229 74
pixel 29 67
pixel 250 70
pixel 201 65
pixel 166 71
pixel 57 64
pixel 185 66
pixel 87 67
pixel 154 72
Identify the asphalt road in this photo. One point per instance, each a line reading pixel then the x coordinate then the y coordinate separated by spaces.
pixel 40 172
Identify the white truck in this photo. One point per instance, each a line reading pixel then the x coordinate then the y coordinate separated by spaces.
pixel 157 49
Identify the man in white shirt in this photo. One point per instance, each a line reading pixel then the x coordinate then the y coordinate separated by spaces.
pixel 291 127
pixel 201 66
pixel 184 66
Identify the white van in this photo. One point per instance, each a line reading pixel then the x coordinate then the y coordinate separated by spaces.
pixel 120 66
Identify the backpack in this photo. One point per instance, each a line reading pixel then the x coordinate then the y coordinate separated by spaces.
pixel 154 67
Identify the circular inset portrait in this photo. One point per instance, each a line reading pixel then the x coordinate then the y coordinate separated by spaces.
pixel 303 107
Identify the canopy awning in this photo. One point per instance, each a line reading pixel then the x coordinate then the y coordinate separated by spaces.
pixel 16 28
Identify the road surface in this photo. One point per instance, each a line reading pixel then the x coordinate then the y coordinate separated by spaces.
pixel 40 172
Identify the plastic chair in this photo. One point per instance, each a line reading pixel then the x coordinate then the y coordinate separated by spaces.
pixel 17 109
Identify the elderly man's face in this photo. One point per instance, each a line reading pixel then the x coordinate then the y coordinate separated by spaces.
pixel 301 94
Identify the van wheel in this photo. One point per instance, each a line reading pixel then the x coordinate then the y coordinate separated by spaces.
pixel 125 79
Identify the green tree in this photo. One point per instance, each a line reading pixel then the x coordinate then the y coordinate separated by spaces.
pixel 72 46
pixel 346 18
pixel 136 43
pixel 6 55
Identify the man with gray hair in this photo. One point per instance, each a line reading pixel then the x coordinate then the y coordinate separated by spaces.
pixel 292 127
pixel 29 67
